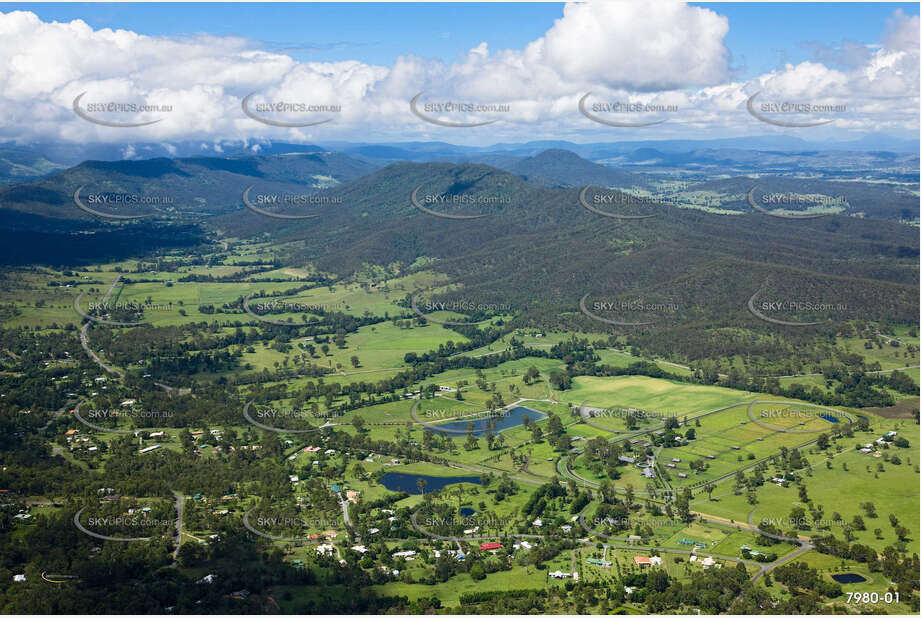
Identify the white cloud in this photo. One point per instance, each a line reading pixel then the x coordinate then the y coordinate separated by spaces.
pixel 663 53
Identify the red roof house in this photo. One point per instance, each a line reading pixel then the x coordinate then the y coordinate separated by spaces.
pixel 642 560
pixel 488 546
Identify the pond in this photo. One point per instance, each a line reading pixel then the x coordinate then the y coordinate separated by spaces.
pixel 848 578
pixel 466 511
pixel 484 424
pixel 399 481
pixel 829 418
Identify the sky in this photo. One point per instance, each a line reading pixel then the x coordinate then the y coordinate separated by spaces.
pixel 697 64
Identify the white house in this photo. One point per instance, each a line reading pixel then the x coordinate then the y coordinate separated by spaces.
pixel 404 554
pixel 325 549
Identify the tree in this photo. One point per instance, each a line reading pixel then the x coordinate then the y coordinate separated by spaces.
pixel 536 433
pixel 690 434
pixel 477 573
pixel 530 375
pixel 420 484
pixel 358 422
pixel 355 361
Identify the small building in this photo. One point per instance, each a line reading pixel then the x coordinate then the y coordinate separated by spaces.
pixel 682 475
pixel 490 546
pixel 559 575
pixel 642 561
pixel 147 449
pixel 325 549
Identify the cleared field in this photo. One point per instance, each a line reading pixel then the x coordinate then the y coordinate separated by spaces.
pixel 729 440
pixel 649 394
pixel 839 491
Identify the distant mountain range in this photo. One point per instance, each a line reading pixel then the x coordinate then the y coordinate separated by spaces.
pixel 68 154
pixel 193 187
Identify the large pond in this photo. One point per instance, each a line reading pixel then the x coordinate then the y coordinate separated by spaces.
pixel 848 578
pixel 399 481
pixel 484 424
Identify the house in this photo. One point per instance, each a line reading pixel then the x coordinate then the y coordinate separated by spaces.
pixel 625 459
pixel 20 577
pixel 642 560
pixel 537 523
pixel 293 478
pixel 655 560
pixel 559 574
pixel 709 562
pixel 325 549
pixel 404 554
pixel 599 562
pixel 522 545
pixel 207 579
pixel 682 475
pixel 649 473
pixel 633 538
pixel 866 450
pixel 490 546
pixel 240 595
pixel 671 465
pixel 361 549
pixel 566 527
pixel 147 449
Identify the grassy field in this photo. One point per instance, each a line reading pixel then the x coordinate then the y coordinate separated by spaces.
pixel 889 491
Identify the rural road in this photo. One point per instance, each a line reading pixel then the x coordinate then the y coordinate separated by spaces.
pixel 84 341
pixel 180 503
